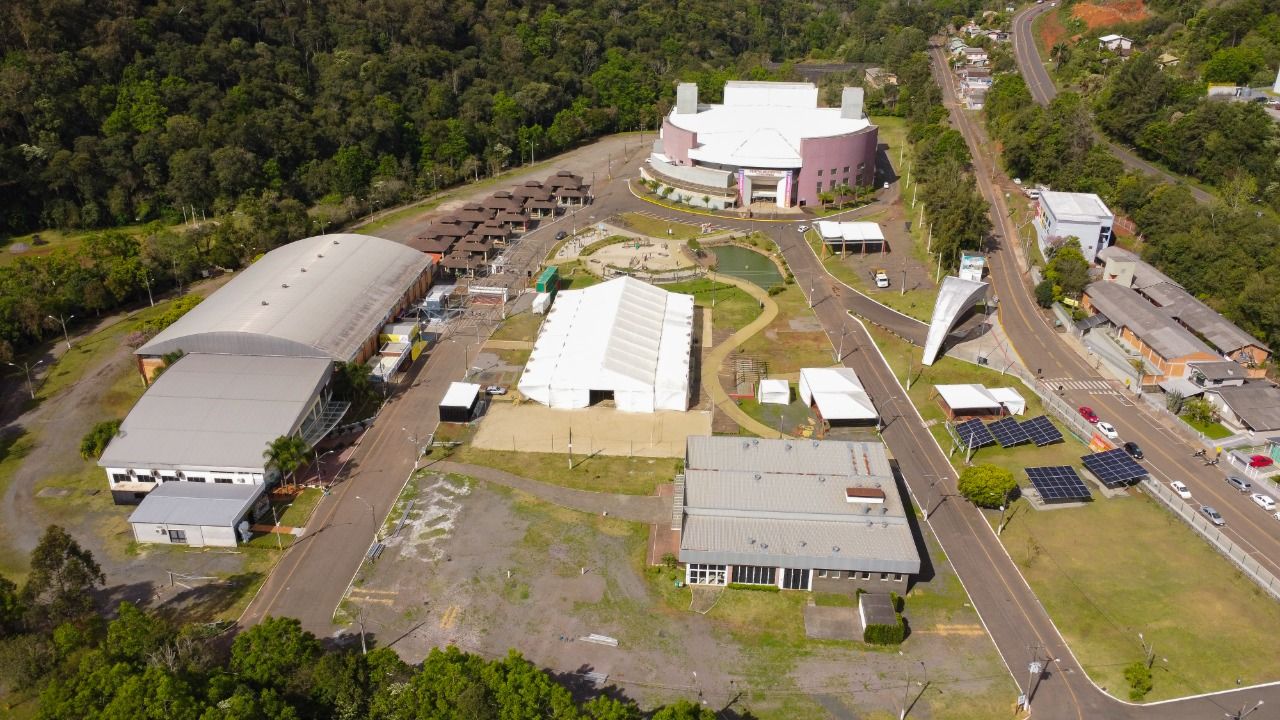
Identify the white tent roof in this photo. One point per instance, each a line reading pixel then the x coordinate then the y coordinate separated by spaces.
pixel 967 397
pixel 774 391
pixel 850 231
pixel 954 298
pixel 1011 399
pixel 837 392
pixel 623 336
pixel 460 394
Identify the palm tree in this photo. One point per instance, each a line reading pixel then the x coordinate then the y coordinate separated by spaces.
pixel 286 454
pixel 825 198
pixel 842 192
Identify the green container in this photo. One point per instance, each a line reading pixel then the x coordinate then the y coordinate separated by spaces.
pixel 549 280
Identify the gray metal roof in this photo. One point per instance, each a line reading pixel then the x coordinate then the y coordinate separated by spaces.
pixel 318 297
pixel 216 412
pixel 877 608
pixel 1125 307
pixel 1077 207
pixel 1190 311
pixel 1257 404
pixel 1220 370
pixel 783 503
pixel 1144 274
pixel 193 503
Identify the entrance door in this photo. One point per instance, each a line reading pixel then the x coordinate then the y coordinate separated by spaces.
pixel 793 579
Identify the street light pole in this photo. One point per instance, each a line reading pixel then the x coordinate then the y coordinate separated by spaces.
pixel 1244 713
pixel 27 367
pixel 64 320
pixel 372 520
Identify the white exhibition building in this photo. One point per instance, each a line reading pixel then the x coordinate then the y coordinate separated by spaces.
pixel 623 339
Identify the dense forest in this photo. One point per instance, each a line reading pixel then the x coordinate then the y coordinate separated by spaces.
pixel 56 649
pixel 259 118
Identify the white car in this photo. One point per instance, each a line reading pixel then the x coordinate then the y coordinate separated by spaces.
pixel 802 228
pixel 882 279
pixel 496 390
pixel 1264 501
pixel 1181 488
pixel 1109 430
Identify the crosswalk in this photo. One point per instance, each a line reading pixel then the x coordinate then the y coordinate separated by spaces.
pixel 1093 387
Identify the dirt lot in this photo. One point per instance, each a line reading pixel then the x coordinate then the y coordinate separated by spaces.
pixel 1106 14
pixel 531 427
pixel 488 569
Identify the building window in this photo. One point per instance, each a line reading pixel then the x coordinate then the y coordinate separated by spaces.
pixel 795 579
pixel 897 577
pixel 819 173
pixel 120 477
pixel 835 574
pixel 222 481
pixel 195 479
pixel 833 171
pixel 846 169
pixel 884 577
pixel 866 576
pixel 819 186
pixel 178 536
pixel 168 478
pixel 699 574
pixel 853 575
pixel 822 573
pixel 754 575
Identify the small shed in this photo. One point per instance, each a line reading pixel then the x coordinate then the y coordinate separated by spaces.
pixel 774 391
pixel 876 609
pixel 460 402
pixel 197 514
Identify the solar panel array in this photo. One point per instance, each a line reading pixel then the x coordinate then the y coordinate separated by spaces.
pixel 1041 431
pixel 973 434
pixel 1058 482
pixel 1114 467
pixel 1008 432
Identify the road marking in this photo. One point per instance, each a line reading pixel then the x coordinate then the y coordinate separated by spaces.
pixel 450 618
pixel 363 591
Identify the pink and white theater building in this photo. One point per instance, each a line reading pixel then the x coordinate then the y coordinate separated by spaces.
pixel 767 142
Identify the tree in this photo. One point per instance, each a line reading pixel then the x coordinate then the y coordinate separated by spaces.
pixel 286 454
pixel 684 710
pixel 1044 293
pixel 1068 269
pixel 1235 65
pixel 1199 410
pixel 272 652
pixel 1174 401
pixel 96 440
pixel 10 607
pixel 986 485
pixel 352 382
pixel 62 580
pixel 825 197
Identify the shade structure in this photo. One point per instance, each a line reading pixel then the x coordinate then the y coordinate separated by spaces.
pixel 774 391
pixel 1010 398
pixel 955 297
pixel 837 393
pixel 968 399
pixel 623 339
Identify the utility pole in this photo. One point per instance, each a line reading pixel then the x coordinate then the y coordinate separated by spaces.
pixel 904 282
pixel 146 278
pixel 64 320
pixel 570 448
pixel 1244 713
pixel 27 367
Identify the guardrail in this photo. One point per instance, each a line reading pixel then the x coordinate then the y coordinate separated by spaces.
pixel 1213 534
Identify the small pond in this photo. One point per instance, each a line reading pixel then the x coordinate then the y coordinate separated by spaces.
pixel 746 265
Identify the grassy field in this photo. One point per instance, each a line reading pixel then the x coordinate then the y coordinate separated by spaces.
pixel 522 327
pixel 1115 568
pixel 734 309
pixel 599 473
pixel 654 227
pixel 53 239
pixel 296 512
pixel 794 339
pixel 573 276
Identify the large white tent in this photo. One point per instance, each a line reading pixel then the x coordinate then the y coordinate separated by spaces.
pixel 623 338
pixel 837 393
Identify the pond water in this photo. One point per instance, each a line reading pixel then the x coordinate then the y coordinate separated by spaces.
pixel 746 265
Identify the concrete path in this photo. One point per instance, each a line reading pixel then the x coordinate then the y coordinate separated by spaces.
pixel 633 508
pixel 717 356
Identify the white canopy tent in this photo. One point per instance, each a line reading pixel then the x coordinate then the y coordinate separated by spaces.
pixel 1011 399
pixel 837 393
pixel 774 391
pixel 968 399
pixel 623 338
pixel 843 234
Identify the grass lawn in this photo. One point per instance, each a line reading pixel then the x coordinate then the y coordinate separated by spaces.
pixel 654 227
pixel 81 500
pixel 1114 568
pixel 404 213
pixel 573 276
pixel 917 303
pixel 53 239
pixel 1211 430
pixel 794 339
pixel 734 309
pixel 296 512
pixel 523 327
pixel 600 473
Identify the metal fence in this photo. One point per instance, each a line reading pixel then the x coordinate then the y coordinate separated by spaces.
pixel 1213 534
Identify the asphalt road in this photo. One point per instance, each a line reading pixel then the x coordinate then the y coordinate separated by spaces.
pixel 1043 91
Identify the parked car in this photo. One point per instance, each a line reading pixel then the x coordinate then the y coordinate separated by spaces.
pixel 1109 430
pixel 802 228
pixel 882 279
pixel 1181 488
pixel 1263 501
pixel 1134 451
pixel 562 235
pixel 1239 483
pixel 1088 414
pixel 1214 516
pixel 496 390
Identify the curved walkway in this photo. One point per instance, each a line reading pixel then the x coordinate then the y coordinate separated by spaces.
pixel 720 353
pixel 648 509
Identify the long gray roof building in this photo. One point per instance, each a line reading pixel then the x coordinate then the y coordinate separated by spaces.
pixel 207 504
pixel 794 504
pixel 318 297
pixel 1125 307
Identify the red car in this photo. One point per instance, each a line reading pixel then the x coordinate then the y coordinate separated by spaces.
pixel 1087 413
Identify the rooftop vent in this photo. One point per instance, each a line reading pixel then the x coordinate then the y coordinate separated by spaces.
pixel 757 476
pixel 803 543
pixel 822 478
pixel 265 303
pixel 751 541
pixel 335 242
pixel 787 446
pixel 764 545
pixel 872 496
pixel 835 548
pixel 884 510
pixel 302 269
pixel 319 255
pixel 284 285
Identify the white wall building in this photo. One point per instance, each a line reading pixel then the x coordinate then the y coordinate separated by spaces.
pixel 623 340
pixel 1061 215
pixel 197 515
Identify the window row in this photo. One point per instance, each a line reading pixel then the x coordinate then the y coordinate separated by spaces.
pixel 857 575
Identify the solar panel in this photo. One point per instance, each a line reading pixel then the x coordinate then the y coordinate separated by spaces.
pixel 1114 467
pixel 1008 433
pixel 973 434
pixel 1058 482
pixel 1041 431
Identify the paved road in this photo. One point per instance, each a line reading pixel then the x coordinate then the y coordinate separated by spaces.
pixel 1043 91
pixel 1039 346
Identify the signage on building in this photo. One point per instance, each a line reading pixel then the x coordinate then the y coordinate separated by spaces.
pixel 971 267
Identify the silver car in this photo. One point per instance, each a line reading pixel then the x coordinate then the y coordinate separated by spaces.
pixel 1214 516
